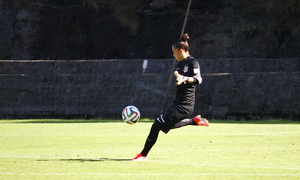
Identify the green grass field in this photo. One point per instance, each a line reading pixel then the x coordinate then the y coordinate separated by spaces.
pixel 78 149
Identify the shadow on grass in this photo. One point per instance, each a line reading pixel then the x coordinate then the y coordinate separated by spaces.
pixel 93 160
pixel 85 160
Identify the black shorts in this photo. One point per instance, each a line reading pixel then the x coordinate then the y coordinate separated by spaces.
pixel 173 115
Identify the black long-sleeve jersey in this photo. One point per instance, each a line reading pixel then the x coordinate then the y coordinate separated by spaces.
pixel 185 92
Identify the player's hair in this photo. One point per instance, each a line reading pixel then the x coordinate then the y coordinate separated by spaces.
pixel 182 43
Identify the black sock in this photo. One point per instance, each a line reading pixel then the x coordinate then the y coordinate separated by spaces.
pixel 185 122
pixel 151 140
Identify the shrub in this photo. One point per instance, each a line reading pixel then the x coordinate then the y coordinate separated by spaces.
pixel 124 11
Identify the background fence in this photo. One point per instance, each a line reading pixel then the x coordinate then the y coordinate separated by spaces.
pixel 231 88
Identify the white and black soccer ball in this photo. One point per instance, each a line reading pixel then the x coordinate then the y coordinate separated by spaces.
pixel 131 115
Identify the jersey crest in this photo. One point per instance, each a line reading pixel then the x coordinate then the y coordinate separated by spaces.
pixel 185 69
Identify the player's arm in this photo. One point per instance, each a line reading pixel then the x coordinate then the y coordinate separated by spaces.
pixel 181 79
pixel 197 76
pixel 197 79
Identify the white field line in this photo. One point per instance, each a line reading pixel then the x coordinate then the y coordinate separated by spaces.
pixel 164 162
pixel 257 134
pixel 150 174
pixel 222 165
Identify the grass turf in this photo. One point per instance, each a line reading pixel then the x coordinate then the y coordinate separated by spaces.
pixel 78 149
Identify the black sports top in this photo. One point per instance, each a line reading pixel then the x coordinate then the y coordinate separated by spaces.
pixel 185 92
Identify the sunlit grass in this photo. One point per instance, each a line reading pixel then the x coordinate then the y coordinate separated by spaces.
pixel 102 149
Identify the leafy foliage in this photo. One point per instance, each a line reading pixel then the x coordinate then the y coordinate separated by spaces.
pixel 5 54
pixel 124 11
pixel 284 7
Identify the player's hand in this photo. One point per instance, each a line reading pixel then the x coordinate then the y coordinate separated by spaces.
pixel 180 78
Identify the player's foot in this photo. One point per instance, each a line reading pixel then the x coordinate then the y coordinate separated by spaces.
pixel 139 157
pixel 201 121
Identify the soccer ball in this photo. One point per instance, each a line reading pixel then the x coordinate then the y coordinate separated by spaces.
pixel 131 114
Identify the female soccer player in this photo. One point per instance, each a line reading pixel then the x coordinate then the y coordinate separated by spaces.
pixel 187 76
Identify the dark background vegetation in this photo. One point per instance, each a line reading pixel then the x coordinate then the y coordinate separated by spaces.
pixel 107 29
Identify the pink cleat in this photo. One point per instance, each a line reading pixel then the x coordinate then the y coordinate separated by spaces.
pixel 201 121
pixel 139 157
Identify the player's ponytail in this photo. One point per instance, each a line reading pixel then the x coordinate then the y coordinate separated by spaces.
pixel 185 37
pixel 182 43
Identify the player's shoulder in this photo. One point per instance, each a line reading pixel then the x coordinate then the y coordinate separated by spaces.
pixel 192 60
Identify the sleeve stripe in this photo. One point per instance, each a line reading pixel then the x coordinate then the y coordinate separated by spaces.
pixel 198 75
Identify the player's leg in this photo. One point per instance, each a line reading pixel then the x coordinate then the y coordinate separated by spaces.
pixel 185 122
pixel 162 123
pixel 151 140
pixel 197 120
